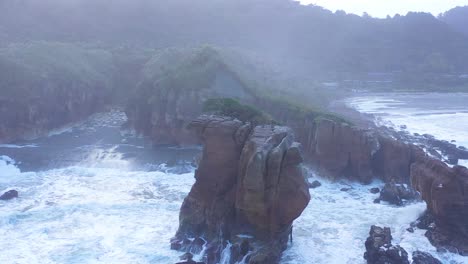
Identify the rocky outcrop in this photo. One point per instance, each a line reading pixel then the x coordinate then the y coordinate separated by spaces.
pixel 249 188
pixel 445 191
pixel 11 194
pixel 396 194
pixel 379 248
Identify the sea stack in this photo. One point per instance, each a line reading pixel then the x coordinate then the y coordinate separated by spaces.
pixel 249 188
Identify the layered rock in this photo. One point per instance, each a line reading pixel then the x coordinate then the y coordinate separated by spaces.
pixel 445 191
pixel 249 188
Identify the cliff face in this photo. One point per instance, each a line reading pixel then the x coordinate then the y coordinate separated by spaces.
pixel 168 98
pixel 445 191
pixel 47 85
pixel 34 117
pixel 249 183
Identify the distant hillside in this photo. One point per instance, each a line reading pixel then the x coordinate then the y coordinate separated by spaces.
pixel 457 18
pixel 306 41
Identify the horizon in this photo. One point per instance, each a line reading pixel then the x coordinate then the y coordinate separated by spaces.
pixel 384 8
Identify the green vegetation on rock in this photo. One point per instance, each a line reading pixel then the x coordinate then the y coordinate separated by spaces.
pixel 233 108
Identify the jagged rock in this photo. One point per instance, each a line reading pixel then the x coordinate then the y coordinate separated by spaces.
pixel 396 193
pixel 426 221
pixel 374 190
pixel 379 248
pixel 249 181
pixel 11 194
pixel 314 184
pixel 445 191
pixel 420 257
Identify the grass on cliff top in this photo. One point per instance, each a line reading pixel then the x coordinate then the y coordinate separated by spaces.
pixel 233 108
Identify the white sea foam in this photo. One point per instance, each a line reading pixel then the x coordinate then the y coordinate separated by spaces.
pixel 18 146
pixel 444 116
pixel 335 225
pixel 8 168
pixel 93 215
pixel 463 163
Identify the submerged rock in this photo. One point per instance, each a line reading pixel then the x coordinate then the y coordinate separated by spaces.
pixel 314 184
pixel 11 194
pixel 396 193
pixel 249 182
pixel 379 248
pixel 374 190
pixel 420 257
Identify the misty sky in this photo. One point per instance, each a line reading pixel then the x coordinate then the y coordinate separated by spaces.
pixel 382 8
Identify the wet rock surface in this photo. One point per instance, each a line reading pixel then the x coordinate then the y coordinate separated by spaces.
pixel 397 194
pixel 420 257
pixel 445 191
pixel 379 248
pixel 249 181
pixel 314 184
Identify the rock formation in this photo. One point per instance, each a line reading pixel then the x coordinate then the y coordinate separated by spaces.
pixel 379 248
pixel 396 194
pixel 11 194
pixel 420 257
pixel 169 98
pixel 249 188
pixel 341 150
pixel 445 191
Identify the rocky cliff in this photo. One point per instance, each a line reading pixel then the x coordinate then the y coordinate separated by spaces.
pixel 175 86
pixel 249 188
pixel 171 96
pixel 47 85
pixel 445 191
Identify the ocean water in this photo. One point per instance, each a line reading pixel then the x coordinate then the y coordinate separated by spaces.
pixel 335 225
pixel 443 115
pixel 94 194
